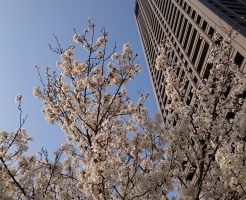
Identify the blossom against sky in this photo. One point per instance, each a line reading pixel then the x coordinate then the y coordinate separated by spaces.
pixel 26 29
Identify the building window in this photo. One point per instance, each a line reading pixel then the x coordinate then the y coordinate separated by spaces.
pixel 178 70
pixel 176 21
pixel 192 41
pixel 166 9
pixel 162 111
pixel 180 24
pixel 238 59
pixel 204 25
pixel 186 85
pixel 188 10
pixel 193 14
pixel 198 19
pixel 187 36
pixel 163 92
pixel 196 50
pixel 183 30
pixel 170 13
pixel 195 80
pixel 174 18
pixel 163 6
pixel 202 57
pixel 207 71
pixel 165 100
pixel 211 32
pixel 136 9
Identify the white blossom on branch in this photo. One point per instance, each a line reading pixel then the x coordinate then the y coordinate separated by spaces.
pixel 207 138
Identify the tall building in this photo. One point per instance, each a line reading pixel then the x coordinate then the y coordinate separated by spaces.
pixel 189 25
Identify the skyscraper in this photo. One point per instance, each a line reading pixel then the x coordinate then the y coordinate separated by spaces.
pixel 189 25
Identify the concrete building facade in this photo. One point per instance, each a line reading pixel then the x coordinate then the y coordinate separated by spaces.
pixel 189 25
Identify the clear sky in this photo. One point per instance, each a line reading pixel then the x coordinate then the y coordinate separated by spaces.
pixel 26 28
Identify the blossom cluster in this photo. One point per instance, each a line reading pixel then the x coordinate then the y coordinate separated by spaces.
pixel 112 150
pixel 206 139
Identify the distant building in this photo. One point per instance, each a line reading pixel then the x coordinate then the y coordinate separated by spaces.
pixel 190 25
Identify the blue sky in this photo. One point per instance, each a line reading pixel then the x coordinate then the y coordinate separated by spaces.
pixel 26 28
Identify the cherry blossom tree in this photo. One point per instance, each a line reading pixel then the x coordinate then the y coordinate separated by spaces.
pixel 207 138
pixel 25 176
pixel 113 150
